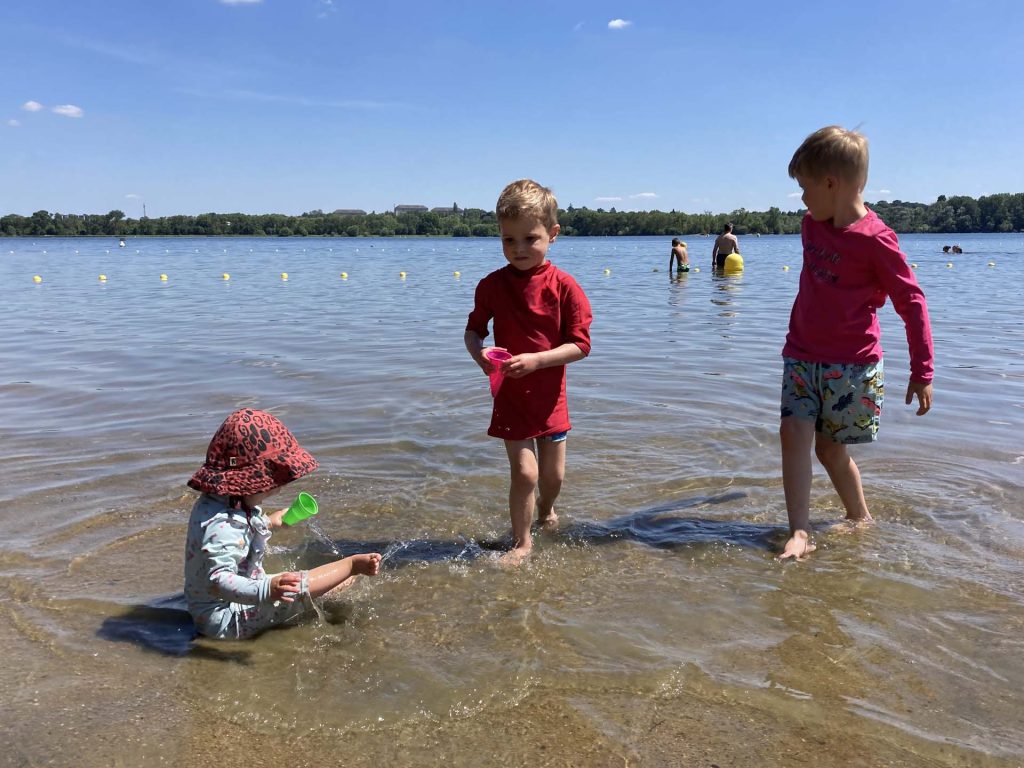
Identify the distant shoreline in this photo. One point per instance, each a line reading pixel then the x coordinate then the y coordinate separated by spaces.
pixel 1001 213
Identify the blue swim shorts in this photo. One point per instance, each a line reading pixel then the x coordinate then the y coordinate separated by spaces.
pixel 845 401
pixel 558 437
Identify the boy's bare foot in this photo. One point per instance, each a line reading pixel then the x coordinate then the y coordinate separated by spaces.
pixel 516 556
pixel 798 546
pixel 546 516
pixel 850 525
pixel 548 521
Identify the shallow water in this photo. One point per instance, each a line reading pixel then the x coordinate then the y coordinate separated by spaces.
pixel 654 628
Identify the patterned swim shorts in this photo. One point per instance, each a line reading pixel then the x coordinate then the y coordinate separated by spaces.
pixel 845 401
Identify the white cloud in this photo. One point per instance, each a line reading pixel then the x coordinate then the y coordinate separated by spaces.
pixel 619 24
pixel 795 195
pixel 68 110
pixel 578 27
pixel 885 191
pixel 607 199
pixel 32 106
pixel 644 196
pixel 133 196
pixel 13 123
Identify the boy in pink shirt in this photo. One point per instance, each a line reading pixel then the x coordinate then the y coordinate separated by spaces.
pixel 833 380
pixel 542 317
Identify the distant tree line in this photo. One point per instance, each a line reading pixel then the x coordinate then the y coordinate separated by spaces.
pixel 993 213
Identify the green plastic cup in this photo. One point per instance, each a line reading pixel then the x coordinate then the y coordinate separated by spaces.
pixel 304 506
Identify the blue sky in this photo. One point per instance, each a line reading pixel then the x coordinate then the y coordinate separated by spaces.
pixel 293 105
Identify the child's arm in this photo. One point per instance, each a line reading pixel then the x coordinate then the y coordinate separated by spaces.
pixel 221 553
pixel 908 300
pixel 528 362
pixel 475 346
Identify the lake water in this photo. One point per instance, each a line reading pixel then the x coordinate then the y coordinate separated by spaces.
pixel 654 628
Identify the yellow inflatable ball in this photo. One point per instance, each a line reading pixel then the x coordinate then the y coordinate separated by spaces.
pixel 36 279
pixel 733 263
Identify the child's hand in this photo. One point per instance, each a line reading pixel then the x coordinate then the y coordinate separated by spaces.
pixel 522 365
pixel 487 365
pixel 285 586
pixel 366 565
pixel 924 396
pixel 275 518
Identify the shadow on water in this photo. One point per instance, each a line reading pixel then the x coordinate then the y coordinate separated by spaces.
pixel 163 626
pixel 657 527
pixel 654 526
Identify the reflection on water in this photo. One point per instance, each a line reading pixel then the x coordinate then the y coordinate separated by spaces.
pixel 653 627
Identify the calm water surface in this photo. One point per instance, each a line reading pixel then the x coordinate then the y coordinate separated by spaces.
pixel 654 628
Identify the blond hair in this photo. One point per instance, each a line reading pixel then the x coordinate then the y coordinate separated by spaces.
pixel 832 151
pixel 526 197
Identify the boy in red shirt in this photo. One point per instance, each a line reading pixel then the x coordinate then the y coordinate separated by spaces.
pixel 833 379
pixel 542 317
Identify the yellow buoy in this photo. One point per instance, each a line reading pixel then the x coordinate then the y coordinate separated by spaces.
pixel 786 268
pixel 284 275
pixel 696 269
pixel 164 278
pixel 344 275
pixel 949 265
pixel 457 273
pixel 607 271
pixel 402 275
pixel 36 279
pixel 733 263
pixel 913 266
pixel 991 263
pixel 103 278
pixel 226 276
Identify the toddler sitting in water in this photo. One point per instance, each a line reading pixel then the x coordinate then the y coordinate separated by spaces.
pixel 229 594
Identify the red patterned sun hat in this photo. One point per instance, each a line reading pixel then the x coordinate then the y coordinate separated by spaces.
pixel 252 452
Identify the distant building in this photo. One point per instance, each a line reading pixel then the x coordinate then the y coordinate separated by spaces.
pixel 350 212
pixel 447 210
pixel 400 209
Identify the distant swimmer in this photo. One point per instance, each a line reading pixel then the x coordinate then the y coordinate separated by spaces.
pixel 725 244
pixel 679 256
pixel 945 249
pixel 957 249
pixel 121 243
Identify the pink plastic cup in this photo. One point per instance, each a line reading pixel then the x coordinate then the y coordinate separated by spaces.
pixel 498 356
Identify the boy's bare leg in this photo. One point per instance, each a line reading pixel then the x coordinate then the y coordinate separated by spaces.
pixel 551 458
pixel 522 462
pixel 796 436
pixel 845 476
pixel 341 573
